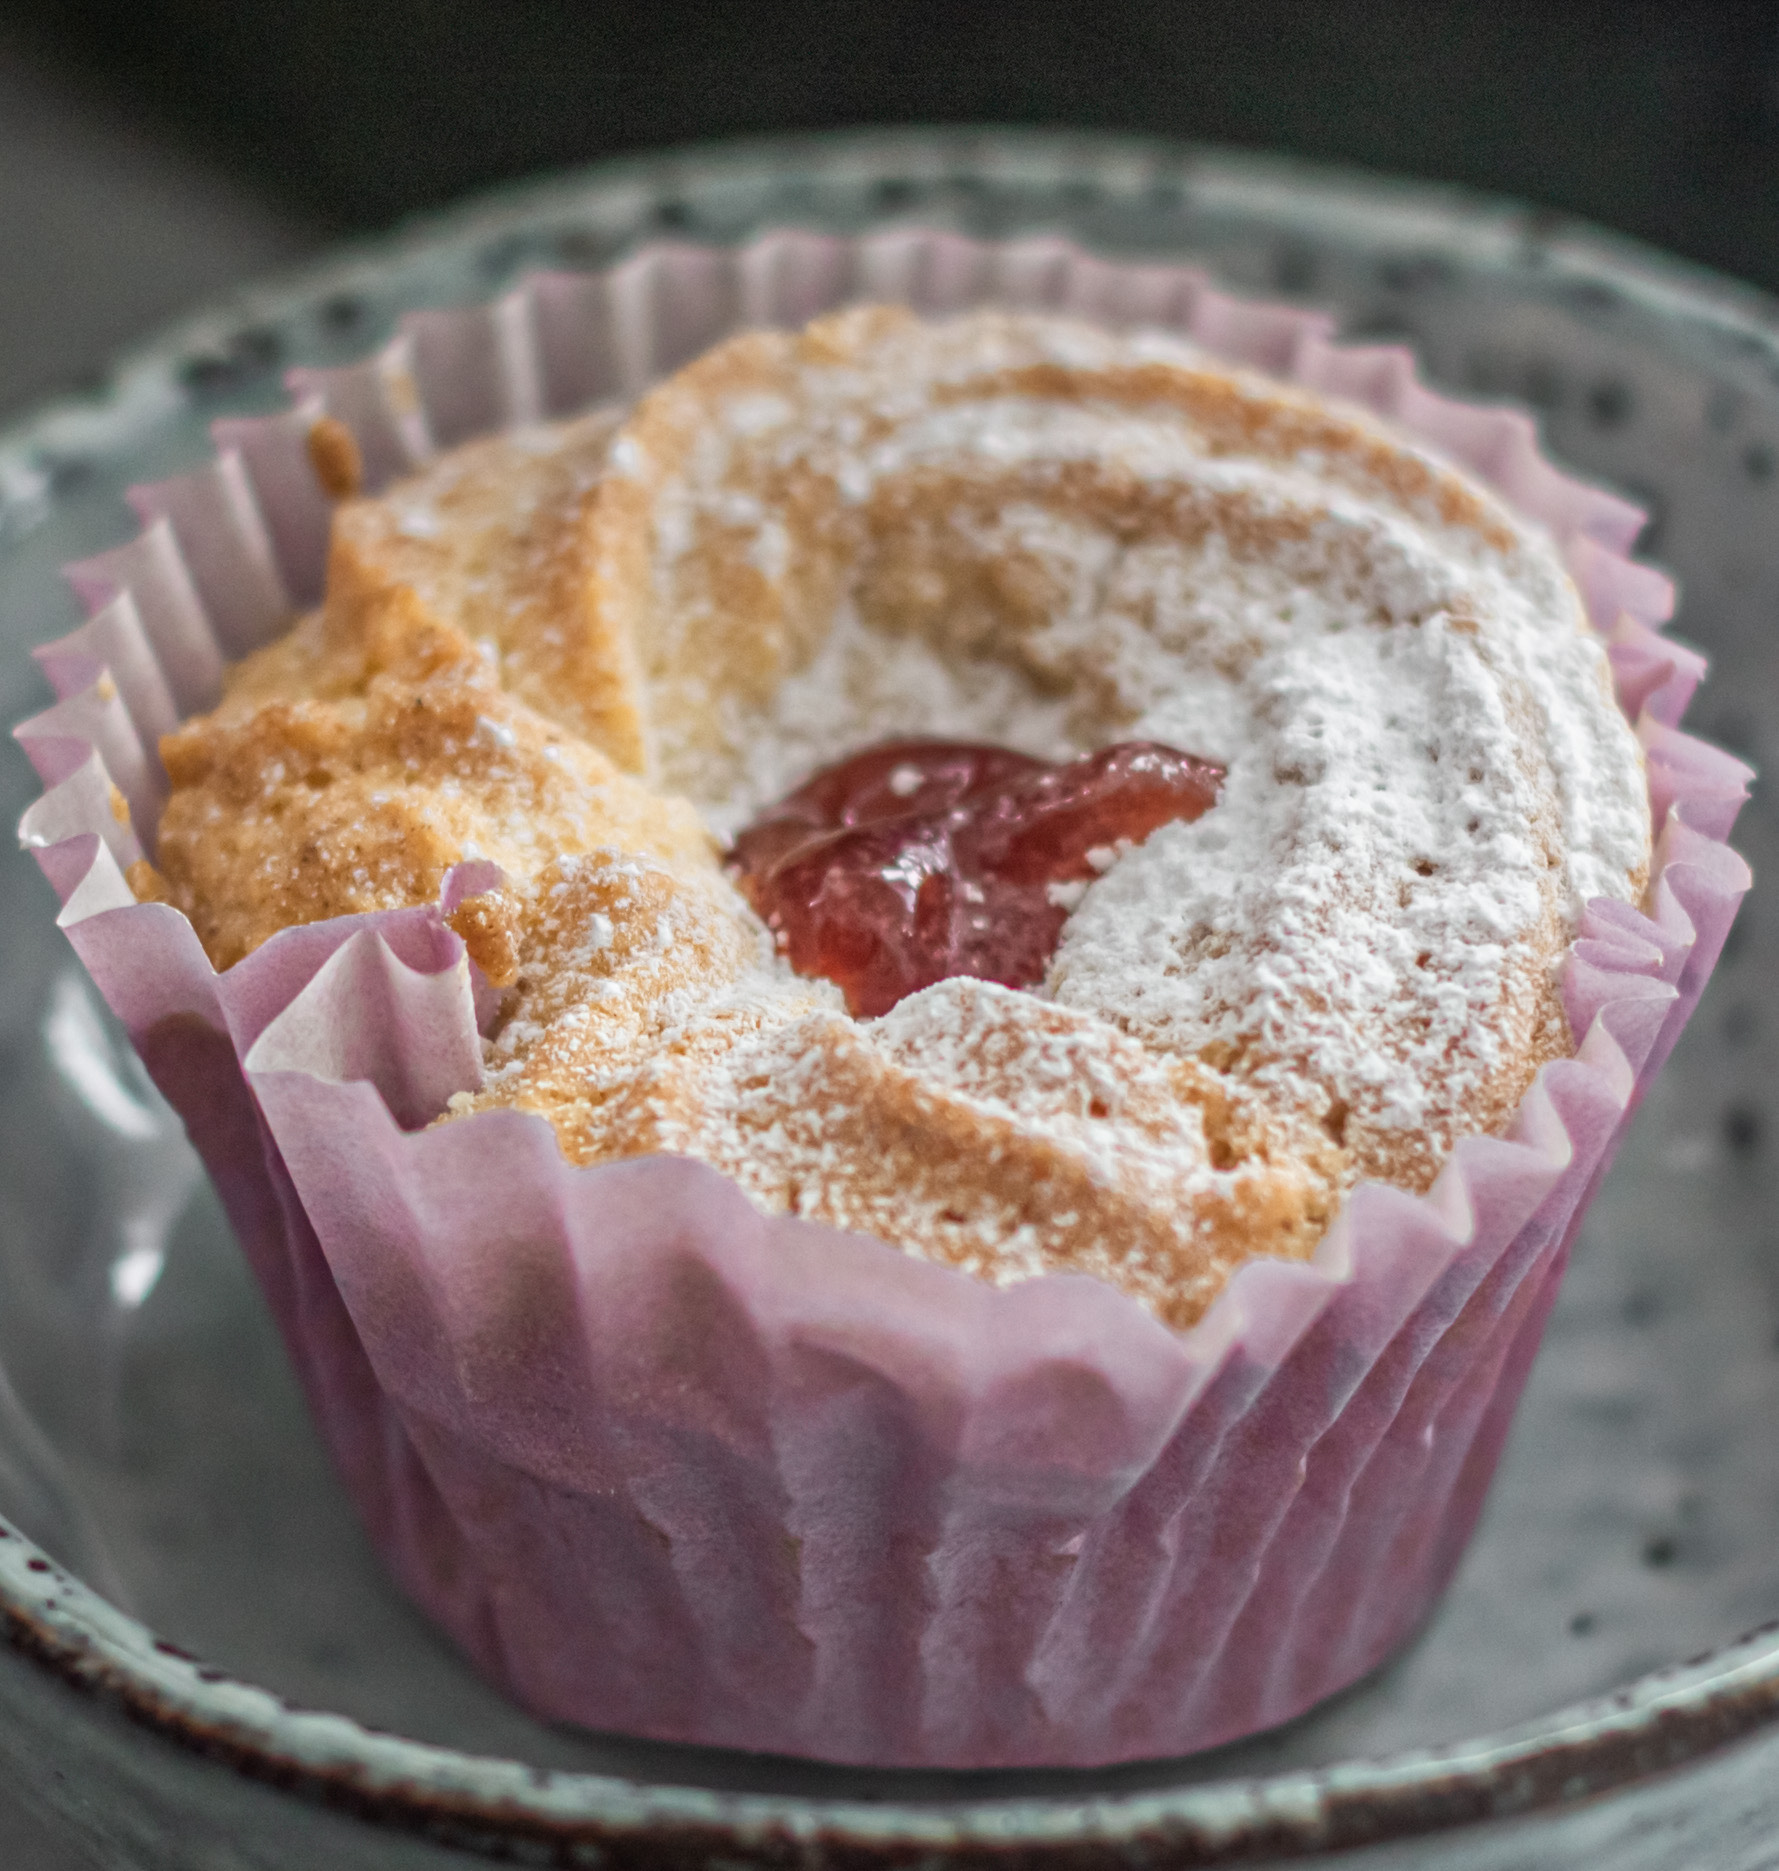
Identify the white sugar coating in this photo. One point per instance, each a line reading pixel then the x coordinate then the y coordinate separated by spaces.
pixel 1427 773
pixel 864 686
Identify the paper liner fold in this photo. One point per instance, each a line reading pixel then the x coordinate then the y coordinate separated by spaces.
pixel 662 1463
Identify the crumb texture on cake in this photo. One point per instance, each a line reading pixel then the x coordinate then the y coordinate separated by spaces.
pixel 580 650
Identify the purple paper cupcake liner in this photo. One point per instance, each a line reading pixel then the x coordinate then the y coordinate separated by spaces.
pixel 663 1464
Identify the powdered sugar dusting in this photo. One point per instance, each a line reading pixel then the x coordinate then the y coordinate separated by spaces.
pixel 1427 775
pixel 863 686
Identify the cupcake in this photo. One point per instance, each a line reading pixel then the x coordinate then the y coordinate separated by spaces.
pixel 909 1030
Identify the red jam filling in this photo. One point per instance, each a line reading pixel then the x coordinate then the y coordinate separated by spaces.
pixel 918 860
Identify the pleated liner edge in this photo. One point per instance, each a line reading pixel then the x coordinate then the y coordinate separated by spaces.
pixel 666 1465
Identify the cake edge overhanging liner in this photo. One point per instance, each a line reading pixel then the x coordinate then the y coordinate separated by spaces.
pixel 666 1465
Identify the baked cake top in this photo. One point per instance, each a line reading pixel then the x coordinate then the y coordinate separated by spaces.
pixel 572 649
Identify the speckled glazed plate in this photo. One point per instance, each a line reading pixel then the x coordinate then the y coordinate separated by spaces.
pixel 205 1664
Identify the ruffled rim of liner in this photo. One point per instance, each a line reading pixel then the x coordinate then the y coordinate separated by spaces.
pixel 230 552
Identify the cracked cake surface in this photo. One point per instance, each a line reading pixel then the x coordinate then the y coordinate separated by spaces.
pixel 592 651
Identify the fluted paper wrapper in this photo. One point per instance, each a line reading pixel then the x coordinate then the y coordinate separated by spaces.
pixel 663 1464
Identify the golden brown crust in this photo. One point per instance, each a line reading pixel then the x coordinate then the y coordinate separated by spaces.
pixel 397 757
pixel 1157 1177
pixel 491 542
pixel 737 627
pixel 627 966
pixel 333 454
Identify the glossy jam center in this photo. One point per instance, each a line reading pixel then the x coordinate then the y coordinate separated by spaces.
pixel 917 860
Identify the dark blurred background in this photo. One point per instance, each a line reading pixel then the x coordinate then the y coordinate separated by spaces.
pixel 152 151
